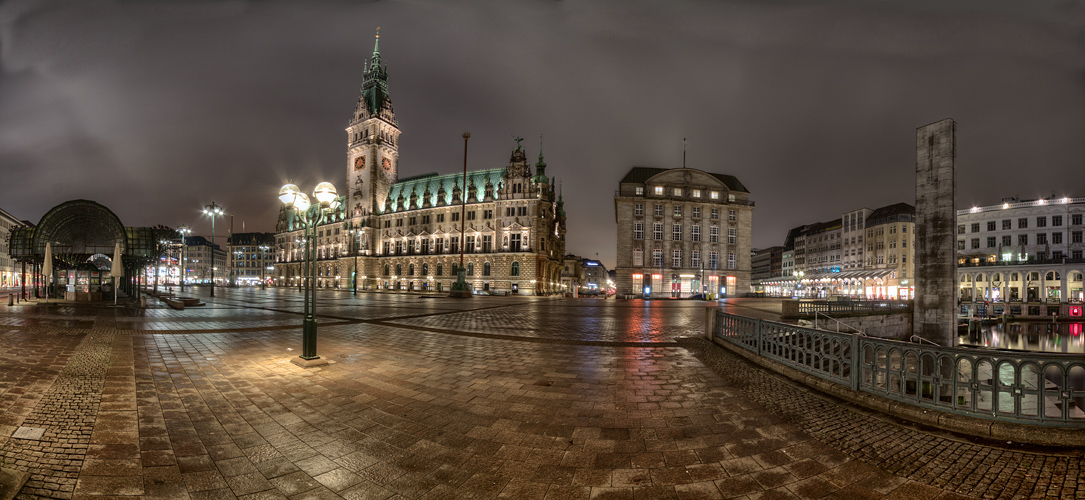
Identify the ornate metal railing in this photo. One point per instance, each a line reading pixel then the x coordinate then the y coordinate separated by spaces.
pixel 810 307
pixel 1023 387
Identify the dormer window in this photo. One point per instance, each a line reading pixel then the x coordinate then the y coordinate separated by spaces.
pixel 659 190
pixel 678 191
pixel 640 190
pixel 715 195
pixel 696 193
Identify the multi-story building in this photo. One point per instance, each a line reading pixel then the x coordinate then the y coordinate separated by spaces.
pixel 1022 251
pixel 682 232
pixel 406 234
pixel 851 245
pixel 890 250
pixel 201 258
pixel 572 273
pixel 247 257
pixel 822 244
pixel 596 277
pixel 865 253
pixel 10 277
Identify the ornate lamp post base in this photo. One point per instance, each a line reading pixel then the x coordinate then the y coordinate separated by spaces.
pixel 461 289
pixel 308 363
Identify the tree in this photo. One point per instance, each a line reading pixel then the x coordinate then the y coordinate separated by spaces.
pixel 163 237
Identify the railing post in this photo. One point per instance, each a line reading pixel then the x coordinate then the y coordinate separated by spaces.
pixel 759 339
pixel 856 361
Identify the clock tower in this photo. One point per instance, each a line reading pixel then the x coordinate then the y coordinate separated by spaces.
pixel 372 143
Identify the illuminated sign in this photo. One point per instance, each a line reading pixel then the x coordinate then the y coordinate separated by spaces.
pixel 1075 310
pixel 592 263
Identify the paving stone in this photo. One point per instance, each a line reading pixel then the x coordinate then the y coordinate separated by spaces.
pixel 436 398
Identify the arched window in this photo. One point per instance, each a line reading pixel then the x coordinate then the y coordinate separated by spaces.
pixel 410 269
pixel 399 269
pixel 1013 276
pixel 387 269
pixel 425 269
pixel 515 269
pixel 485 268
pixel 470 268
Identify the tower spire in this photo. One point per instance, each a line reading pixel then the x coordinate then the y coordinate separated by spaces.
pixel 376 44
pixel 540 168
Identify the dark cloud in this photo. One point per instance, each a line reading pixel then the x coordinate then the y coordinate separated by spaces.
pixel 158 108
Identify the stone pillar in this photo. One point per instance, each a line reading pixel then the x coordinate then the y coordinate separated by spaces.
pixel 935 316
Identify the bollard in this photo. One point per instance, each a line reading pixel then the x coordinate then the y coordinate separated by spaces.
pixel 143 302
pixel 11 299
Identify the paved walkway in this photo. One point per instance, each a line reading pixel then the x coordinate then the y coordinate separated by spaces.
pixel 433 398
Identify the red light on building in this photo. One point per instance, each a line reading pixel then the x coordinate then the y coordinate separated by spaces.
pixel 1075 329
pixel 1075 311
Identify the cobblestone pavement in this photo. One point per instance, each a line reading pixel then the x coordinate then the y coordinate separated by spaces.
pixel 429 398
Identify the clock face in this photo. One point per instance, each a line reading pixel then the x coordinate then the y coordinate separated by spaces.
pixel 386 164
pixel 359 163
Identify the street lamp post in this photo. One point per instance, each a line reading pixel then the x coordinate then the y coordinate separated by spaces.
pixel 355 233
pixel 183 230
pixel 263 266
pixel 307 216
pixel 213 210
pixel 461 288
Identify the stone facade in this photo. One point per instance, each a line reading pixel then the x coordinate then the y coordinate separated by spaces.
pixel 682 232
pixel 10 274
pixel 394 234
pixel 1022 251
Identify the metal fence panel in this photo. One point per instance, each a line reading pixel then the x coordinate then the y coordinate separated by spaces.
pixel 1023 387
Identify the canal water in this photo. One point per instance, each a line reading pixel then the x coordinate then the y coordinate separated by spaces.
pixel 1026 336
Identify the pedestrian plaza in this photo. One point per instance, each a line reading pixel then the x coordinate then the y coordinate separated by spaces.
pixel 429 397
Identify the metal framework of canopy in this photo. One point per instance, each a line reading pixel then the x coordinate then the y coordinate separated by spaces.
pixel 80 230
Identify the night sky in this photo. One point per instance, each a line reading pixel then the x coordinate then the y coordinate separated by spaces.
pixel 156 109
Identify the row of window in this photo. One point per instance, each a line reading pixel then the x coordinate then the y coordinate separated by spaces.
pixel 1022 223
pixel 679 192
pixel 677 229
pixel 514 269
pixel 513 243
pixel 638 209
pixel 1022 239
pixel 676 259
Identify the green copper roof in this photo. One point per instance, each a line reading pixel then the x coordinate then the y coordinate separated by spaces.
pixel 375 85
pixel 433 182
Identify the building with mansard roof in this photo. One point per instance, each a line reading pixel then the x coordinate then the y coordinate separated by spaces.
pixel 682 232
pixel 404 235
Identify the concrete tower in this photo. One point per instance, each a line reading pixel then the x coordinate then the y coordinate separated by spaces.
pixel 372 143
pixel 935 316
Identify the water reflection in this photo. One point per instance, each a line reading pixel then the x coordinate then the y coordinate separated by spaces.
pixel 1035 337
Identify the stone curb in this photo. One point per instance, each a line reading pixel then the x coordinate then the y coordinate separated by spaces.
pixel 961 424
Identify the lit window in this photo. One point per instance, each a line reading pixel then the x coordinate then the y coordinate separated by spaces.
pixel 696 193
pixel 678 191
pixel 715 195
pixel 640 190
pixel 659 190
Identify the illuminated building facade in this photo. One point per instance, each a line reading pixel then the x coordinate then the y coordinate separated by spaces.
pixel 404 235
pixel 1027 251
pixel 682 232
pixel 10 275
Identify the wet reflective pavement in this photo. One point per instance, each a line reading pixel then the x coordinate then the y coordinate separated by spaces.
pixel 430 397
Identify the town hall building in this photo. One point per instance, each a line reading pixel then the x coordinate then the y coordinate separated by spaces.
pixel 393 234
